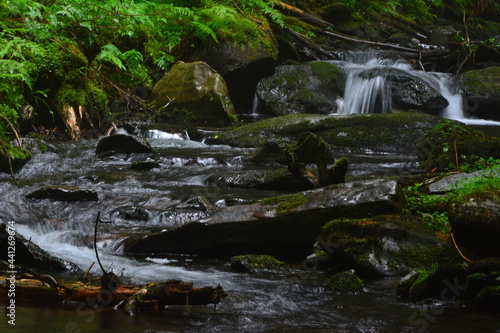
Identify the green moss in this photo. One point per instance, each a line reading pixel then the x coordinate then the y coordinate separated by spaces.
pixel 328 72
pixel 285 203
pixel 257 262
pixel 344 283
pixel 482 82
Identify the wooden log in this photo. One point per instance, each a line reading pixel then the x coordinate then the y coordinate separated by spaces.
pixel 138 298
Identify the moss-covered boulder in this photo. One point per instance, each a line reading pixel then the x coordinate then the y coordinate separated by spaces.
pixel 305 88
pixel 253 263
pixel 395 133
pixel 482 93
pixel 450 144
pixel 475 222
pixel 382 246
pixel 347 282
pixel 279 180
pixel 192 92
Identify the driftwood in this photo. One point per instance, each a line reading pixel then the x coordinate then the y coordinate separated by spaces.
pixel 154 296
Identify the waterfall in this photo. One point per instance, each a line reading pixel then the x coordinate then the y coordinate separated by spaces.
pixel 255 106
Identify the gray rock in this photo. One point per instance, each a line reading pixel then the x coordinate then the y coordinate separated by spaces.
pixel 284 227
pixel 122 144
pixel 64 193
pixel 453 181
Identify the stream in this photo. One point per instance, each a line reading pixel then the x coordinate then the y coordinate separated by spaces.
pixel 138 202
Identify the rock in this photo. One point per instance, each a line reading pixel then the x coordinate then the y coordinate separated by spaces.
pixel 347 282
pixel 475 222
pixel 450 144
pixel 454 181
pixel 279 180
pixel 306 88
pixel 132 213
pixel 252 263
pixel 122 144
pixel 482 93
pixel 442 36
pixel 384 246
pixel 144 165
pixel 409 92
pixel 64 193
pixel 29 255
pixel 196 92
pixel 284 227
pixel 392 133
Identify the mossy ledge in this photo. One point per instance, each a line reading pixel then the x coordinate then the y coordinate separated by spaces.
pixel 285 203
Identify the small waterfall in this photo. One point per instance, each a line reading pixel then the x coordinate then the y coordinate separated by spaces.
pixel 255 106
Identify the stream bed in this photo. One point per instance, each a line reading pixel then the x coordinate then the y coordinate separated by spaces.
pixel 138 202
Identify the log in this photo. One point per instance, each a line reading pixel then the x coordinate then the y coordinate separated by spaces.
pixel 314 20
pixel 137 298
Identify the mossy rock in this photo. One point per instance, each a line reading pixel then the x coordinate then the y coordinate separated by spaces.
pixel 450 144
pixel 253 263
pixel 347 282
pixel 305 88
pixel 195 92
pixel 488 299
pixel 285 203
pixel 395 133
pixel 278 180
pixel 482 93
pixel 383 246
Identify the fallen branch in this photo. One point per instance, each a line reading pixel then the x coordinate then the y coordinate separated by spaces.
pixel 306 41
pixel 314 20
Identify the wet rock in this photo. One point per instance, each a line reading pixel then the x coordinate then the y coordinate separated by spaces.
pixel 347 282
pixel 64 193
pixel 122 144
pixel 284 227
pixel 132 213
pixel 144 165
pixel 451 144
pixel 394 133
pixel 409 92
pixel 193 92
pixel 29 255
pixel 384 246
pixel 482 93
pixel 310 88
pixel 252 263
pixel 280 180
pixel 475 222
pixel 455 181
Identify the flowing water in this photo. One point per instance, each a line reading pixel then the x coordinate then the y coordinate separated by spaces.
pixel 138 202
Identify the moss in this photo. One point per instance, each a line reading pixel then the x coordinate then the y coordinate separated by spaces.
pixel 254 262
pixel 329 72
pixel 482 82
pixel 345 283
pixel 488 299
pixel 285 203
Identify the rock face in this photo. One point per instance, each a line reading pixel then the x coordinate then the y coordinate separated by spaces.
pixel 309 88
pixel 482 93
pixel 285 227
pixel 64 193
pixel 192 92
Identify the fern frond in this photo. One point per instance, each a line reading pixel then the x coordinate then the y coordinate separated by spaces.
pixel 110 53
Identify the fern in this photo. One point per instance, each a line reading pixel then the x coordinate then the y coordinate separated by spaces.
pixel 111 54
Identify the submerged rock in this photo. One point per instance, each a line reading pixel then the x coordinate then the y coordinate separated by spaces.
pixel 64 193
pixel 347 282
pixel 253 263
pixel 285 226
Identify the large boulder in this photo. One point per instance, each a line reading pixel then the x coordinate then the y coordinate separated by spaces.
pixel 392 133
pixel 409 92
pixel 383 246
pixel 482 93
pixel 451 143
pixel 122 144
pixel 305 88
pixel 285 226
pixel 192 92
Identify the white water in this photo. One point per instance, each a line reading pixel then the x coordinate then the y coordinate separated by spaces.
pixel 373 95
